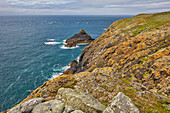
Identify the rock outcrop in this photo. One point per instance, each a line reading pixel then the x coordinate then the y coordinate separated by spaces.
pixel 27 106
pixel 75 101
pixel 132 57
pixel 80 38
pixel 80 100
pixel 52 106
pixel 121 104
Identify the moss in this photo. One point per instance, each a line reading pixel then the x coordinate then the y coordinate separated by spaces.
pixel 105 104
pixel 139 102
pixel 70 84
pixel 103 86
pixel 125 81
pixel 165 37
pixel 131 90
pixel 146 74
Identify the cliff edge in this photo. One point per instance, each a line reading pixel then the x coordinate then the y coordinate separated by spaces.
pixel 126 69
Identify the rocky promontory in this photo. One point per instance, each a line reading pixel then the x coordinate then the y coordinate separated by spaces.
pixel 125 70
pixel 80 38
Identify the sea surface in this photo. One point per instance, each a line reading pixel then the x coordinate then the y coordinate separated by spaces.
pixel 32 50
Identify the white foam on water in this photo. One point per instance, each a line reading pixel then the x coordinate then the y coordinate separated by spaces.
pixel 65 67
pixel 58 71
pixel 54 75
pixel 64 42
pixel 51 39
pixel 105 29
pixel 52 43
pixel 78 58
pixel 63 47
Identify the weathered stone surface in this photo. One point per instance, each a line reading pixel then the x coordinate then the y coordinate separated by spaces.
pixel 80 100
pixel 138 86
pixel 27 106
pixel 121 104
pixel 77 111
pixel 68 109
pixel 52 106
pixel 145 93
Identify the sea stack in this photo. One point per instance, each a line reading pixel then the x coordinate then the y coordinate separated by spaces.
pixel 80 38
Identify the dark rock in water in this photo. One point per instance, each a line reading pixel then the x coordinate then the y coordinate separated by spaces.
pixel 80 38
pixel 73 68
pixel 73 44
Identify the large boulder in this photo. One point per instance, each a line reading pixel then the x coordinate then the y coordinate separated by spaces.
pixel 79 38
pixel 121 104
pixel 27 106
pixel 80 100
pixel 52 106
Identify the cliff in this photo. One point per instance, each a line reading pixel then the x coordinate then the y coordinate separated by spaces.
pixel 127 69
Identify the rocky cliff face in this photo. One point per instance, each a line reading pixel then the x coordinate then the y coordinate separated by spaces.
pixel 138 48
pixel 126 69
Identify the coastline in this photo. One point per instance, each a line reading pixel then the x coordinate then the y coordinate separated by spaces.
pixel 97 74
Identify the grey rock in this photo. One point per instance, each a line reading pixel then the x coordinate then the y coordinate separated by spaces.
pixel 144 93
pixel 80 100
pixel 139 86
pixel 121 104
pixel 27 106
pixel 77 111
pixel 52 106
pixel 68 109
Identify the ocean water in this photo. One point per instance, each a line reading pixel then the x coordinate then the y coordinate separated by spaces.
pixel 32 50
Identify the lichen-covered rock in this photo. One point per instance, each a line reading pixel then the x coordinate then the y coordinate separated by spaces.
pixel 80 100
pixel 121 104
pixel 138 48
pixel 52 106
pixel 27 106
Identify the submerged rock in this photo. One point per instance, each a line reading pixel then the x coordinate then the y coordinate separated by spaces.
pixel 80 100
pixel 80 38
pixel 121 104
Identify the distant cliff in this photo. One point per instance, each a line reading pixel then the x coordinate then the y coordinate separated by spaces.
pixel 126 69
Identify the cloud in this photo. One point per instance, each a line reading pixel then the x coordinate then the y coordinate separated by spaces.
pixel 141 5
pixel 38 3
pixel 82 7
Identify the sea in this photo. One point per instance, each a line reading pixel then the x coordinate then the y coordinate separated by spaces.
pixel 32 50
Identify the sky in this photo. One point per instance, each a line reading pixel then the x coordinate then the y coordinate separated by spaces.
pixel 82 7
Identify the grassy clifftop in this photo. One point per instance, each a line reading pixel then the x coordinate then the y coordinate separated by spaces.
pixel 132 56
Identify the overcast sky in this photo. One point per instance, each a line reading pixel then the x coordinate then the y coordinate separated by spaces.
pixel 82 7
